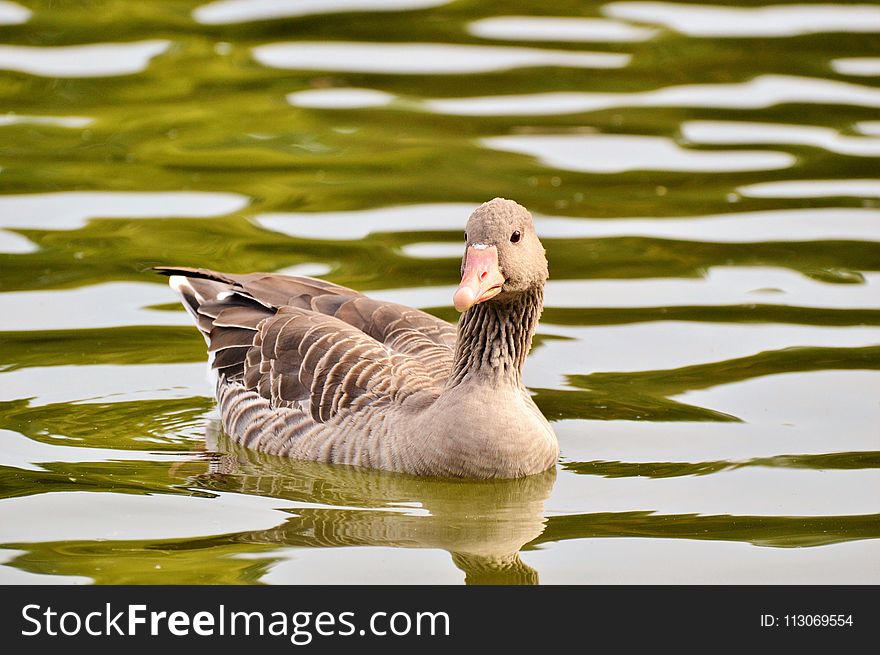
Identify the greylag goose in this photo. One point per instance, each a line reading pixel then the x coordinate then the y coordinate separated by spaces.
pixel 311 370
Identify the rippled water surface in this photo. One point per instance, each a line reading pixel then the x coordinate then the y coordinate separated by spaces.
pixel 706 180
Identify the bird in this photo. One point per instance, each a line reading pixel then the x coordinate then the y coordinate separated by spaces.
pixel 312 370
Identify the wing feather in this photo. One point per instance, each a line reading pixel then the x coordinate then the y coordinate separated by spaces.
pixel 327 348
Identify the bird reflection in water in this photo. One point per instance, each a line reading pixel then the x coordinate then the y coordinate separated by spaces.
pixel 483 524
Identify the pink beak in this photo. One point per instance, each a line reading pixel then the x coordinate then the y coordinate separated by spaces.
pixel 481 279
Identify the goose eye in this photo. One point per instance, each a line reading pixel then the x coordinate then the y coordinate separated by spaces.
pixel 465 236
pixel 515 237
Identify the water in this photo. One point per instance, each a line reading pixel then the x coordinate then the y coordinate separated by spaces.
pixel 705 180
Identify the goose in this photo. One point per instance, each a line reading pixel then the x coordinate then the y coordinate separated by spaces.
pixel 311 370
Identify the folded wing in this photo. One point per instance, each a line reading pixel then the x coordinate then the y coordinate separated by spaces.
pixel 306 343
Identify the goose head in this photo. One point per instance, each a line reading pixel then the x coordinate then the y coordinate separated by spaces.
pixel 503 258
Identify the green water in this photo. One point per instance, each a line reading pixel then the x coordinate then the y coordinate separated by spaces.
pixel 708 355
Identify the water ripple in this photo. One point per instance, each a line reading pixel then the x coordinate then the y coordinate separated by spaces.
pixel 423 58
pixel 813 189
pixel 869 128
pixel 722 285
pixel 72 122
pixel 110 304
pixel 781 225
pixel 12 13
pixel 549 28
pixel 104 383
pixel 820 223
pixel 738 22
pixel 63 516
pixel 91 60
pixel 866 66
pixel 762 91
pixel 67 210
pixel 745 133
pixel 227 12
pixel 339 98
pixel 618 153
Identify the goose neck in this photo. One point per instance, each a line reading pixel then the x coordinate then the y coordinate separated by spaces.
pixel 494 339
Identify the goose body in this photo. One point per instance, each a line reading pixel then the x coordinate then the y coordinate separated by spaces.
pixel 315 371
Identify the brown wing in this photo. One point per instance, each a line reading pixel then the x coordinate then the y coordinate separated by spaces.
pixel 299 355
pixel 401 328
pixel 302 340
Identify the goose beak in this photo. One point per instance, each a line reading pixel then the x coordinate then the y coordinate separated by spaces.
pixel 481 278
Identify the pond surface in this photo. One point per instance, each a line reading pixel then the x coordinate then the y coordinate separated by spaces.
pixel 706 180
